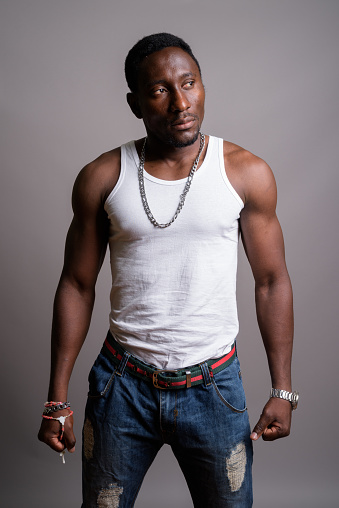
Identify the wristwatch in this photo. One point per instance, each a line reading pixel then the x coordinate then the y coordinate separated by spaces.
pixel 292 397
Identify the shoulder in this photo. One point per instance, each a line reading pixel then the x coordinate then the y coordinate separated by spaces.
pixel 250 175
pixel 97 179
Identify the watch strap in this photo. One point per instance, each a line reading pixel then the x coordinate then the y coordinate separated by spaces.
pixel 291 397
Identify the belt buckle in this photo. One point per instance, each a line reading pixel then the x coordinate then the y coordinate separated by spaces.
pixel 156 380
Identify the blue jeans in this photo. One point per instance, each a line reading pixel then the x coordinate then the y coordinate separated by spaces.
pixel 128 420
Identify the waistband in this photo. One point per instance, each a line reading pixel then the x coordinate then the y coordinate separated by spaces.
pixel 163 378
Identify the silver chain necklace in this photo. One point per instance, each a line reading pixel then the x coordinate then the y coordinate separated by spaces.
pixel 182 196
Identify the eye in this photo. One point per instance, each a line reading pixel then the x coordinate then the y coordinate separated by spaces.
pixel 159 91
pixel 189 84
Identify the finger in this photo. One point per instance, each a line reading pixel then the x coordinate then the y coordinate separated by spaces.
pixel 275 431
pixel 53 442
pixel 49 433
pixel 69 440
pixel 271 433
pixel 69 437
pixel 56 444
pixel 259 428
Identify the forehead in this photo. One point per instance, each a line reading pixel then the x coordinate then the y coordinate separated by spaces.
pixel 165 65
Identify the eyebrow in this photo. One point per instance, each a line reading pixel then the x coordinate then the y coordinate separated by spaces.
pixel 162 81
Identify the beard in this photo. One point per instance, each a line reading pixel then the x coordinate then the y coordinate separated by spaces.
pixel 176 143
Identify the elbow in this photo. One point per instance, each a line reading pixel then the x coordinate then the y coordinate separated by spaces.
pixel 73 285
pixel 273 282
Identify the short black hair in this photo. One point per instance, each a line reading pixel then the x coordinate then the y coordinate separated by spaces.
pixel 146 46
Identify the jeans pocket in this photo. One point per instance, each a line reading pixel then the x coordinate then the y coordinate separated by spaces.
pixel 101 377
pixel 229 388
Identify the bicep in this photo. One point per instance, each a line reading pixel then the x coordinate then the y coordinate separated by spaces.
pixel 85 249
pixel 261 232
pixel 264 245
pixel 87 237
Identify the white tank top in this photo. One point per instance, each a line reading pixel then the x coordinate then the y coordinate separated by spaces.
pixel 173 297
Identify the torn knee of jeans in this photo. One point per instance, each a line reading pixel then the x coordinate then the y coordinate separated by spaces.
pixel 88 440
pixel 109 498
pixel 236 466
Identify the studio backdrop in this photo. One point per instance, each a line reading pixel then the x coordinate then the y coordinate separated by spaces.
pixel 270 69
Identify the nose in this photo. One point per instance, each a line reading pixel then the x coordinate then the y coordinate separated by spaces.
pixel 179 101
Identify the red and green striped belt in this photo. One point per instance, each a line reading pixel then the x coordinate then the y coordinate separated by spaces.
pixel 163 378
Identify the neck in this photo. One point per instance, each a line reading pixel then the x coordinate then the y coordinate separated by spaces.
pixel 169 154
pixel 174 164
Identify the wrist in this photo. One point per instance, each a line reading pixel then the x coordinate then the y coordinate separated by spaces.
pixel 58 394
pixel 291 397
pixel 58 388
pixel 52 406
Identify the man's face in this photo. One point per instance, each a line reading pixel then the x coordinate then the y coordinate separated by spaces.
pixel 170 97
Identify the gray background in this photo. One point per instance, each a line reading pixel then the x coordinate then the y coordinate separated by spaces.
pixel 271 75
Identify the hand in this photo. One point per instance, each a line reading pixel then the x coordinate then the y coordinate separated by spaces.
pixel 275 420
pixel 50 433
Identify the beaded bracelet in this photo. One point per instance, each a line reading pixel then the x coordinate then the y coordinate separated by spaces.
pixel 61 420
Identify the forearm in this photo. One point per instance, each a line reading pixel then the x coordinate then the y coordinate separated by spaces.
pixel 274 304
pixel 71 318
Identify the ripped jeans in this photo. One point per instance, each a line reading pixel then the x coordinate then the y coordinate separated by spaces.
pixel 128 420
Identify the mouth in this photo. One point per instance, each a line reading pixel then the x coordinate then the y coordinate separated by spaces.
pixel 184 123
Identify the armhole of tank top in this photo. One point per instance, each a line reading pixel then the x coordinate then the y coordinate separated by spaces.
pixel 224 173
pixel 116 187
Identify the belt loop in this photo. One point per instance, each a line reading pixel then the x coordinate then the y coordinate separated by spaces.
pixel 206 373
pixel 188 378
pixel 123 363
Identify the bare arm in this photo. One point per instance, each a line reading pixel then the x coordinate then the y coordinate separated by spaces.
pixel 86 245
pixel 264 246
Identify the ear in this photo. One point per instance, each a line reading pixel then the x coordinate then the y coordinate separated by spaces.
pixel 134 104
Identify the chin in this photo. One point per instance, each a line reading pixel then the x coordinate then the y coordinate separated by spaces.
pixel 182 143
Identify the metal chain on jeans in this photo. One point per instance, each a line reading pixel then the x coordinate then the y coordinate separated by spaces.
pixel 182 196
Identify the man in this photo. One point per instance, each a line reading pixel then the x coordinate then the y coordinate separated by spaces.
pixel 171 207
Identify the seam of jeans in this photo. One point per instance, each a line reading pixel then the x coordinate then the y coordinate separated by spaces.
pixel 160 413
pixel 224 401
pixel 164 430
pixel 175 413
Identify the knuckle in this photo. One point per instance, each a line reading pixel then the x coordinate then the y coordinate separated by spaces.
pixel 285 433
pixel 267 415
pixel 43 436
